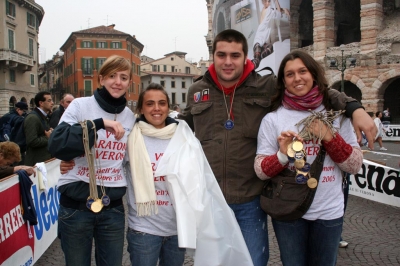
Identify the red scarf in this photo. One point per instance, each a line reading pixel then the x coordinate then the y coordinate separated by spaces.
pixel 311 100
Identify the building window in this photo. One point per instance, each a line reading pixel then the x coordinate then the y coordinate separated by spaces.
pixel 133 68
pixel 11 39
pixel 87 65
pixel 172 84
pixel 165 68
pixel 162 83
pixel 115 45
pixel 172 69
pixel 32 80
pixel 86 44
pixel 183 97
pixel 183 85
pixel 88 88
pixel 31 19
pixel 12 75
pixel 100 62
pixel 133 50
pixel 101 45
pixel 187 70
pixel 10 9
pixel 173 100
pixel 30 47
pixel 155 68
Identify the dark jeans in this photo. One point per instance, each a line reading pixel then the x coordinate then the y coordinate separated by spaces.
pixel 77 228
pixel 312 243
pixel 146 249
pixel 252 221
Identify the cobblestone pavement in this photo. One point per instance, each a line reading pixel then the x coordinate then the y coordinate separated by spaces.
pixel 372 230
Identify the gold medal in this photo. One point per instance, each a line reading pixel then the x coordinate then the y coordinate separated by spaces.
pixel 96 206
pixel 290 151
pixel 299 164
pixel 297 146
pixel 312 182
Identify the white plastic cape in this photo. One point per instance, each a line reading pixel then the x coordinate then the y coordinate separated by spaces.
pixel 205 222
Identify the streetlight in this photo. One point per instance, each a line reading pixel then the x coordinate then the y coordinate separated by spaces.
pixel 341 64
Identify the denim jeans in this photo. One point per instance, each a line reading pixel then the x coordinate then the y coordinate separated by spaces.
pixel 303 242
pixel 146 249
pixel 252 221
pixel 77 228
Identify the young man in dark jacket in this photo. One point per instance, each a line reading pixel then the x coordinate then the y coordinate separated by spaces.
pixel 225 108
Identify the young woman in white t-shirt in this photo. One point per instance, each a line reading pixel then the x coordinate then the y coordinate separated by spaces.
pixel 312 239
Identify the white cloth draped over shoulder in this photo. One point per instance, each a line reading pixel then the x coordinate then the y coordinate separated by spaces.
pixel 205 222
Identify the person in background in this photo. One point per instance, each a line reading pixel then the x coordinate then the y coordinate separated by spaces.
pixel 176 110
pixel 10 154
pixel 301 84
pixel 18 112
pixel 109 121
pixel 56 115
pixel 37 130
pixel 381 130
pixel 224 109
pixel 386 119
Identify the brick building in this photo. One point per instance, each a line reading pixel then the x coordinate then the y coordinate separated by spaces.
pixel 86 50
pixel 366 30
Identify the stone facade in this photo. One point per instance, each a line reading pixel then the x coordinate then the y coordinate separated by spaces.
pixel 366 30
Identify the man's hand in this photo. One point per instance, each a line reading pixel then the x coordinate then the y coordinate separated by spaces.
pixel 363 122
pixel 65 166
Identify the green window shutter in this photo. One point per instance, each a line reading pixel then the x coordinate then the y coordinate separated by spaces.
pixel 28 18
pixel 82 64
pixel 91 44
pixel 97 44
pixel 106 44
pixel 91 64
pixel 7 8
pixel 133 67
pixel 81 44
pixel 120 45
pixel 97 64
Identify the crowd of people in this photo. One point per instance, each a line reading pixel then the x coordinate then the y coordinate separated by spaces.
pixel 244 143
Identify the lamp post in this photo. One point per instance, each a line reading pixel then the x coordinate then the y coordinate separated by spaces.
pixel 340 64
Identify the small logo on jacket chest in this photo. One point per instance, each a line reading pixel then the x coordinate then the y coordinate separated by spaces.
pixel 203 96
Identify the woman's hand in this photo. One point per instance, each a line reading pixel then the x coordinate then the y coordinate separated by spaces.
pixel 65 166
pixel 285 138
pixel 320 130
pixel 114 127
pixel 29 169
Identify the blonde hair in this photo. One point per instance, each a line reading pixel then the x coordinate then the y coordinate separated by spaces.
pixel 10 151
pixel 114 63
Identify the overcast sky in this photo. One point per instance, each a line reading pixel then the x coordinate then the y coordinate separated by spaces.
pixel 162 26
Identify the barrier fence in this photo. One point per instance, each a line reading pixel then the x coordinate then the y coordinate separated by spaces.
pixel 374 182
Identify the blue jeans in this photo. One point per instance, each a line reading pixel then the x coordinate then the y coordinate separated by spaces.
pixel 77 228
pixel 303 242
pixel 146 249
pixel 252 221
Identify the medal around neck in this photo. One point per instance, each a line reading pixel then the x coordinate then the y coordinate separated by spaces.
pixel 229 124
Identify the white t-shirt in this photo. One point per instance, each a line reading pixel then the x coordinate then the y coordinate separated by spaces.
pixel 110 152
pixel 163 223
pixel 328 202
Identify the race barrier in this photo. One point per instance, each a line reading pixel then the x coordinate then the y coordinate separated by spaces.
pixel 392 133
pixel 16 245
pixel 374 182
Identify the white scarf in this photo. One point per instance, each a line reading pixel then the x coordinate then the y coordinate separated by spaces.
pixel 141 170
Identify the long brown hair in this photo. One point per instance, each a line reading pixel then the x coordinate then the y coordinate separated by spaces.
pixel 316 70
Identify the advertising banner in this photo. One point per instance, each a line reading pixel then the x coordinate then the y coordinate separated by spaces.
pixel 392 133
pixel 20 245
pixel 376 182
pixel 264 23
